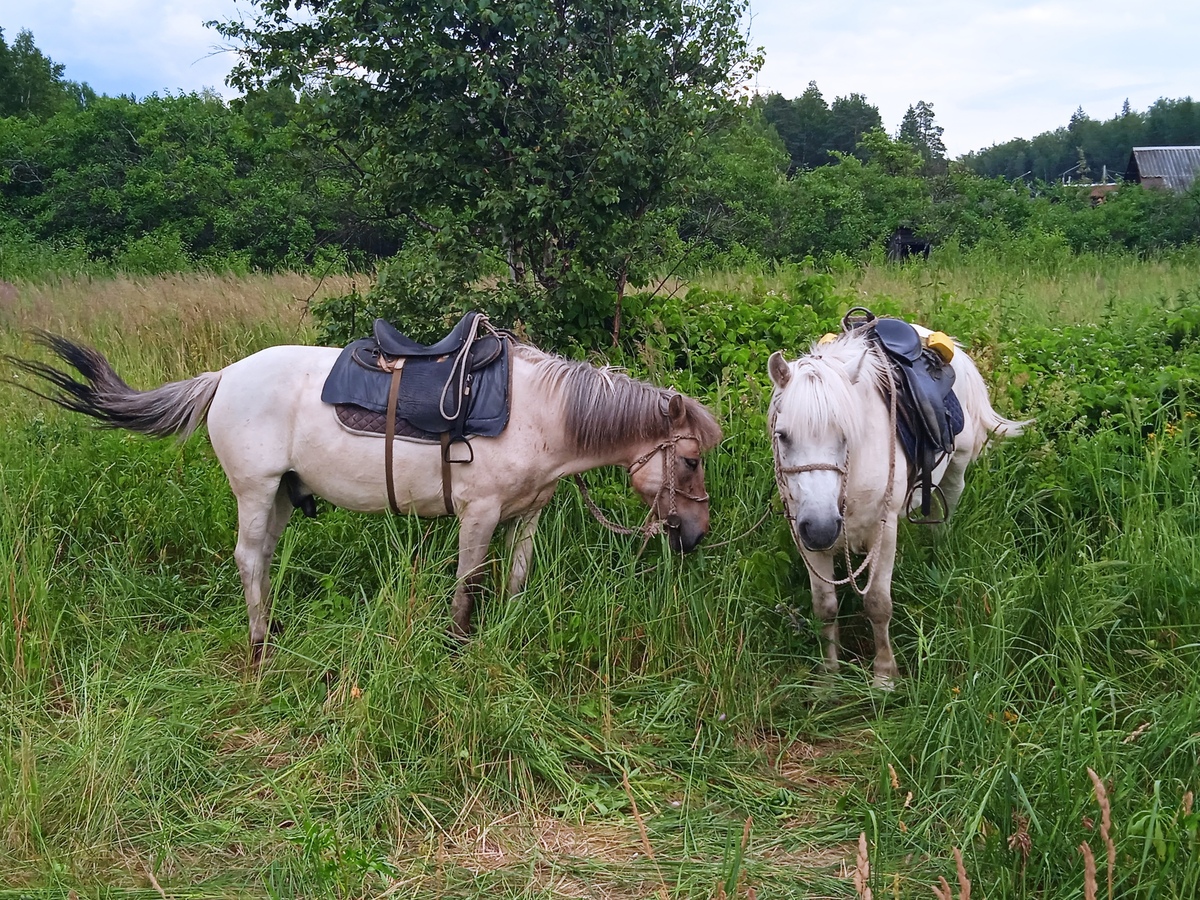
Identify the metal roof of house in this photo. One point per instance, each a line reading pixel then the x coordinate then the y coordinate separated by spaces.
pixel 1174 168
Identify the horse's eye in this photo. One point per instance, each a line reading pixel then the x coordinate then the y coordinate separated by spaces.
pixel 692 463
pixel 782 436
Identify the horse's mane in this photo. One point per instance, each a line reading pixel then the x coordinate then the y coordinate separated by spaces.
pixel 821 393
pixel 605 409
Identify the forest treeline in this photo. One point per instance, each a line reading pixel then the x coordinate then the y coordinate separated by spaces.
pixel 190 180
pixel 1086 148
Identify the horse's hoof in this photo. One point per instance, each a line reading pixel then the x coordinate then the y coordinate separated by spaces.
pixel 884 683
pixel 456 640
pixel 259 651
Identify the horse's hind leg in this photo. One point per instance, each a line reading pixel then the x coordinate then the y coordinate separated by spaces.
pixel 262 516
pixel 954 480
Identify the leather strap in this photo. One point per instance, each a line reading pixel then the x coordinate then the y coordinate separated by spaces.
pixel 389 434
pixel 446 476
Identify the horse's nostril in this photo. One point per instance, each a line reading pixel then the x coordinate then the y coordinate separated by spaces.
pixel 819 535
pixel 674 521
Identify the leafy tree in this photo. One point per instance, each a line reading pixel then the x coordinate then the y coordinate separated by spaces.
pixel 811 129
pixel 738 204
pixel 853 205
pixel 32 84
pixel 803 125
pixel 1105 146
pixel 919 130
pixel 182 179
pixel 1173 123
pixel 548 132
pixel 850 118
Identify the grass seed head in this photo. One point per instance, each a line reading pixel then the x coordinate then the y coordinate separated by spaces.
pixel 1089 872
pixel 862 870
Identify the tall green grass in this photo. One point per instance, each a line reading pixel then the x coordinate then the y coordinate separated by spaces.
pixel 1051 628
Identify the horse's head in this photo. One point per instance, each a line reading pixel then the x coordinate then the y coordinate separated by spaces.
pixel 813 425
pixel 669 476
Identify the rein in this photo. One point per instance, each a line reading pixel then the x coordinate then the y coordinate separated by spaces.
pixel 868 563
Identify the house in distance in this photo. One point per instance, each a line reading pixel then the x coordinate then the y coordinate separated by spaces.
pixel 1171 168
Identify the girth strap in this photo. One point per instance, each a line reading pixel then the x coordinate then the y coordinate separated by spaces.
pixel 389 440
pixel 446 476
pixel 389 434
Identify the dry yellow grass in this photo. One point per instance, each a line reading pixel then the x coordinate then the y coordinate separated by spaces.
pixel 165 327
pixel 1079 294
pixel 129 305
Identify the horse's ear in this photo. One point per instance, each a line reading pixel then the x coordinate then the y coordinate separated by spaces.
pixel 781 372
pixel 677 410
pixel 854 368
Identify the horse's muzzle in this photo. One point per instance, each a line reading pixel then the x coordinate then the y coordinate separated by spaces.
pixel 818 534
pixel 683 537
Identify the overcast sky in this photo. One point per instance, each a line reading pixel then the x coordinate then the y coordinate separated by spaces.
pixel 992 70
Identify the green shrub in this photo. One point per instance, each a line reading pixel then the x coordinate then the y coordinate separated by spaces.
pixel 157 253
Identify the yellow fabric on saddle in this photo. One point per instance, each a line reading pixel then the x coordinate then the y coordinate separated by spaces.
pixel 941 344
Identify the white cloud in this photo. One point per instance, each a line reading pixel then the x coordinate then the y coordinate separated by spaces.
pixel 992 70
pixel 130 46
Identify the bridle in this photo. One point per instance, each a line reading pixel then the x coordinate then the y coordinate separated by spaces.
pixel 868 563
pixel 655 523
pixel 670 451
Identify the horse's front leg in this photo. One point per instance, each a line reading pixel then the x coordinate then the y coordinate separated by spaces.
pixel 520 542
pixel 477 524
pixel 825 605
pixel 878 606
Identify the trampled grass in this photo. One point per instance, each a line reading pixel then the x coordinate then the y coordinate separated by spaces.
pixel 1052 628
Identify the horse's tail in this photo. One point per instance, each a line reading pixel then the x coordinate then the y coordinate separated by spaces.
pixel 1001 427
pixel 973 394
pixel 177 408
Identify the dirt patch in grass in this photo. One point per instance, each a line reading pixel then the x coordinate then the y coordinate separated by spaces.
pixel 559 857
pixel 800 764
pixel 596 859
pixel 273 749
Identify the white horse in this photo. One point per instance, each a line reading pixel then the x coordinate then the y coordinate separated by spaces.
pixel 268 425
pixel 843 476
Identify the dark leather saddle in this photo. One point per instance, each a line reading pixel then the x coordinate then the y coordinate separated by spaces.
pixel 458 385
pixel 446 392
pixel 928 413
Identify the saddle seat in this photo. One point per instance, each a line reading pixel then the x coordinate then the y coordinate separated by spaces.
pixel 392 343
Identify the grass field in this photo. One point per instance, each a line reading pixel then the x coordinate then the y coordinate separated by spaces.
pixel 627 727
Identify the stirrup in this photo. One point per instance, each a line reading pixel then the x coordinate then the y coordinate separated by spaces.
pixel 934 491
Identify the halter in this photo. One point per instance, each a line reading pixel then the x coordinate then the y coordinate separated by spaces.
pixel 868 563
pixel 669 449
pixel 654 523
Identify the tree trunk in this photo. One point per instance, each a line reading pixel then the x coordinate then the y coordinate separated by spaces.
pixel 622 279
pixel 516 263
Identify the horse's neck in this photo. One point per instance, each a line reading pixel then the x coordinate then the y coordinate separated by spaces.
pixel 548 414
pixel 876 448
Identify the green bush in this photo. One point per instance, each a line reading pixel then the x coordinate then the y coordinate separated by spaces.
pixel 153 254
